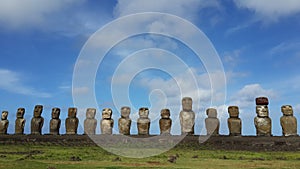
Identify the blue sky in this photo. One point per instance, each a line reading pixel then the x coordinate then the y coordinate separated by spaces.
pixel 256 41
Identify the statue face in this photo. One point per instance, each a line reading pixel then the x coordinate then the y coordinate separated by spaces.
pixel 287 110
pixel 211 112
pixel 55 113
pixel 20 112
pixel 262 110
pixel 144 112
pixel 90 113
pixel 187 103
pixel 125 112
pixel 165 113
pixel 38 109
pixel 106 113
pixel 233 111
pixel 4 115
pixel 72 112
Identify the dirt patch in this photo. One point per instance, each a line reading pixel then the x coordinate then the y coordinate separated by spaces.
pixel 154 162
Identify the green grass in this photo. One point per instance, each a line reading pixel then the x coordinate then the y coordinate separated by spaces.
pixel 58 157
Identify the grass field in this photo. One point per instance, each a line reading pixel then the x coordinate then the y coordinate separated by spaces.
pixel 58 157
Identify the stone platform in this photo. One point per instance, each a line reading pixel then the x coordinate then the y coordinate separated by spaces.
pixel 249 143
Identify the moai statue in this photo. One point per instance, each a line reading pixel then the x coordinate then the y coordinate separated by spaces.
pixel 20 121
pixel 187 116
pixel 37 121
pixel 143 122
pixel 4 122
pixel 165 122
pixel 124 122
pixel 263 123
pixel 212 123
pixel 90 123
pixel 55 121
pixel 288 121
pixel 72 121
pixel 234 122
pixel 107 123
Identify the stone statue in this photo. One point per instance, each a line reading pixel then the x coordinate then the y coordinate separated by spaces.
pixel 288 121
pixel 90 123
pixel 165 122
pixel 187 116
pixel 55 121
pixel 37 121
pixel 143 122
pixel 263 123
pixel 72 121
pixel 20 121
pixel 4 122
pixel 234 122
pixel 107 122
pixel 124 122
pixel 212 122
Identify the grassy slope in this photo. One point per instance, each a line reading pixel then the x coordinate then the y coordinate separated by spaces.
pixel 94 157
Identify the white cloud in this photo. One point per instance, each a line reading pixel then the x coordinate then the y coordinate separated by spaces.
pixel 232 58
pixel 80 90
pixel 187 8
pixel 284 47
pixel 183 85
pixel 246 96
pixel 134 44
pixel 30 12
pixel 62 17
pixel 12 82
pixel 270 10
pixel 297 108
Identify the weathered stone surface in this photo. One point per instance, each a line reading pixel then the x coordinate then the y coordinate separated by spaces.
pixel 55 121
pixel 187 116
pixel 72 121
pixel 165 123
pixel 288 121
pixel 212 122
pixel 143 123
pixel 37 121
pixel 243 143
pixel 4 122
pixel 90 123
pixel 124 122
pixel 20 121
pixel 262 101
pixel 263 123
pixel 107 122
pixel 234 122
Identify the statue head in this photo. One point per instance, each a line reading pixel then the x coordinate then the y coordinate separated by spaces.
pixel 262 111
pixel 211 112
pixel 287 110
pixel 187 104
pixel 165 113
pixel 106 113
pixel 4 115
pixel 55 113
pixel 262 101
pixel 20 113
pixel 233 111
pixel 72 112
pixel 144 112
pixel 90 113
pixel 38 109
pixel 125 112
